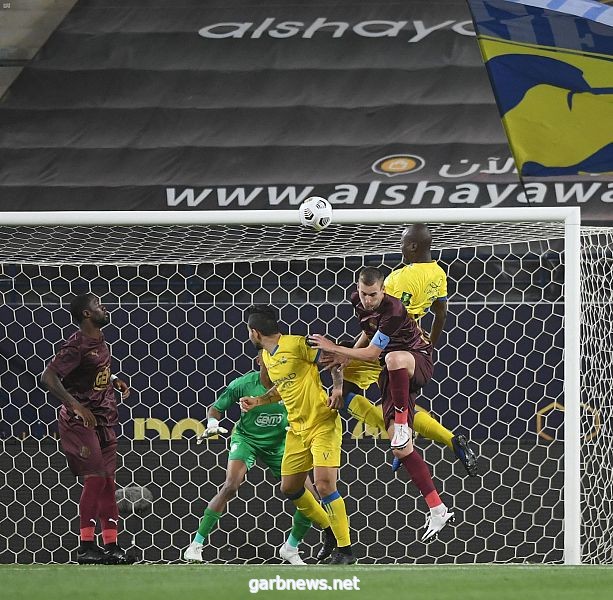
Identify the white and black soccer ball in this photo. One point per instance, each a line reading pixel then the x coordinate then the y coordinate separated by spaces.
pixel 316 212
pixel 133 499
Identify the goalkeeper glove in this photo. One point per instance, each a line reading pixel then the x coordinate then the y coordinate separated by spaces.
pixel 212 429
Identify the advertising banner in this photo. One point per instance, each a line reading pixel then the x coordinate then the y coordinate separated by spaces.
pixel 150 105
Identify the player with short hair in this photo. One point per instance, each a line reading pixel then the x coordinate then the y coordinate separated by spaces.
pixel 259 433
pixel 392 336
pixel 80 377
pixel 314 438
pixel 421 285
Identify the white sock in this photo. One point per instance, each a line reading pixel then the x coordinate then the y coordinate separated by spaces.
pixel 439 510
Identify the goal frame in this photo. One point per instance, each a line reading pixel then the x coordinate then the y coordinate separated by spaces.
pixel 570 217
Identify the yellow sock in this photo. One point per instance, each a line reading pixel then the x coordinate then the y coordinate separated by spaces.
pixel 335 507
pixel 312 510
pixel 431 429
pixel 362 409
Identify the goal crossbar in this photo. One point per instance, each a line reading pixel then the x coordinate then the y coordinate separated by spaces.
pixel 569 215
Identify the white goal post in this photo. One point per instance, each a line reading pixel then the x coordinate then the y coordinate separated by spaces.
pixel 178 282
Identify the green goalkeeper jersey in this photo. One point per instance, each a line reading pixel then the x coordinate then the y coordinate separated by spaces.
pixel 263 425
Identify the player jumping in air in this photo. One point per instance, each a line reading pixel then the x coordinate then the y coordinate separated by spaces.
pixel 421 285
pixel 259 433
pixel 392 336
pixel 314 438
pixel 80 377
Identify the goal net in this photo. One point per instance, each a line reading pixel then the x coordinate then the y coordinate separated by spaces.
pixel 177 294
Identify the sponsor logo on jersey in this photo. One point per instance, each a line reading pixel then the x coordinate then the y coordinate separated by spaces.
pixel 282 380
pixel 274 362
pixel 268 420
pixel 102 378
pixel 406 298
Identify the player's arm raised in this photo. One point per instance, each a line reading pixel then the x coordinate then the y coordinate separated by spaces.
pixel 369 353
pixel 330 360
pixel 53 383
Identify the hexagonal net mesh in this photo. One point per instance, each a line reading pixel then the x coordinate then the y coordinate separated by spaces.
pixel 194 244
pixel 177 297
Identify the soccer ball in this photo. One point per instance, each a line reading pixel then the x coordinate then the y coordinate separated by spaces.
pixel 316 212
pixel 133 499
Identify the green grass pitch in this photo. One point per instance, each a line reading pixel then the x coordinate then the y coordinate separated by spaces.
pixel 374 582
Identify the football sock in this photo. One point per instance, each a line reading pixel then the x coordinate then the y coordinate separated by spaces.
pixel 434 502
pixel 292 541
pixel 420 475
pixel 335 507
pixel 299 529
pixel 208 521
pixel 88 506
pixel 431 429
pixel 305 502
pixel 362 409
pixel 107 510
pixel 109 536
pixel 399 392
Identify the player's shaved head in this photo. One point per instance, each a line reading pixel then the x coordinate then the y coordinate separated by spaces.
pixel 371 276
pixel 79 304
pixel 418 233
pixel 263 318
pixel 416 242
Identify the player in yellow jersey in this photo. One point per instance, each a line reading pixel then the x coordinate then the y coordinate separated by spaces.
pixel 421 285
pixel 314 438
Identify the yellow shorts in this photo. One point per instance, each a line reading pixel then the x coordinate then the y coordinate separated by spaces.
pixel 362 373
pixel 319 446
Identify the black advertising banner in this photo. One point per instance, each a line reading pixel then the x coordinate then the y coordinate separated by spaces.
pixel 201 105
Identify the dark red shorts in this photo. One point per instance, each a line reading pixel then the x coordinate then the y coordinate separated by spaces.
pixel 423 373
pixel 88 451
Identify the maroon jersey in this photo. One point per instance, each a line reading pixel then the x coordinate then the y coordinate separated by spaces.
pixel 391 326
pixel 84 366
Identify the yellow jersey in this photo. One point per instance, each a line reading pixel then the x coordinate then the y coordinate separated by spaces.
pixel 293 370
pixel 417 285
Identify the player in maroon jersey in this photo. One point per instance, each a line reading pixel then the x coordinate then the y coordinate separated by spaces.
pixel 405 352
pixel 80 377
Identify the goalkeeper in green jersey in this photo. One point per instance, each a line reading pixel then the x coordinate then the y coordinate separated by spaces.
pixel 259 433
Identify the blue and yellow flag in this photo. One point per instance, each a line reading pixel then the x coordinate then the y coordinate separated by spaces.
pixel 550 63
